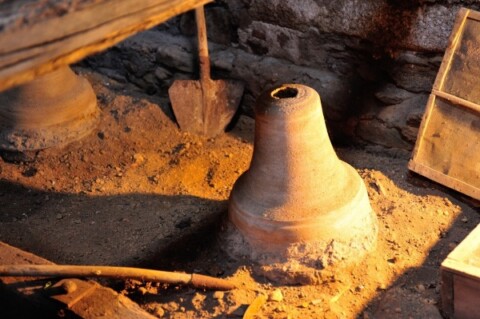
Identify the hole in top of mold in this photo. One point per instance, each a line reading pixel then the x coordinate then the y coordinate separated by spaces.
pixel 285 93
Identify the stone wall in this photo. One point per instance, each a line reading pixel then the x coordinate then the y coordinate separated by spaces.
pixel 372 61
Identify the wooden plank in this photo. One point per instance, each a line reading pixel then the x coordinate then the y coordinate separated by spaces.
pixel 423 125
pixel 473 15
pixel 453 41
pixel 462 268
pixel 10 255
pixel 106 303
pixel 447 293
pixel 444 179
pixel 75 22
pixel 21 13
pixel 36 49
pixel 466 298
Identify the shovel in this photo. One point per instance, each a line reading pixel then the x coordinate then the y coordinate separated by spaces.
pixel 206 106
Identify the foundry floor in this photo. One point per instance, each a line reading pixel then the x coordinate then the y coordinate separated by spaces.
pixel 137 190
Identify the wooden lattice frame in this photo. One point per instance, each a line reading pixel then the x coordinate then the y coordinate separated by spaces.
pixel 448 144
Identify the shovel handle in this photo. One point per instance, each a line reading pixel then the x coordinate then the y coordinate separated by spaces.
pixel 202 44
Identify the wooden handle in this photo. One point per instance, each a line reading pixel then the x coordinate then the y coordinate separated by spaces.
pixel 202 44
pixel 195 280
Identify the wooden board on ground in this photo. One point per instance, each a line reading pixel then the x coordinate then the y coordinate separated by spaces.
pixel 448 144
pixel 88 300
pixel 461 279
pixel 39 36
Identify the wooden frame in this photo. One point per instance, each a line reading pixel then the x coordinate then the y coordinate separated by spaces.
pixel 448 144
pixel 460 273
pixel 33 49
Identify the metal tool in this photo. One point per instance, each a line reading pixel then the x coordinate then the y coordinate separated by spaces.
pixel 205 106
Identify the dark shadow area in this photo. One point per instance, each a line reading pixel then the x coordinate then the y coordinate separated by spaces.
pixel 132 229
pixel 136 230
pixel 14 306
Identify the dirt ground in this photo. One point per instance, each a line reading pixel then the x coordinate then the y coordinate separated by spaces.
pixel 137 191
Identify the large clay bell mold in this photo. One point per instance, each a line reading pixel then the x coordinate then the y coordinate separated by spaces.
pixel 298 202
pixel 53 109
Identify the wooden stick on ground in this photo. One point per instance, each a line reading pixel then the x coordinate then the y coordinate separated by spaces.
pixel 195 280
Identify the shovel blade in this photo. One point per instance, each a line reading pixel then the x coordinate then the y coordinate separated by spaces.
pixel 205 108
pixel 187 104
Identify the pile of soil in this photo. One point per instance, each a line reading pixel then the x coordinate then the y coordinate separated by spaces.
pixel 137 191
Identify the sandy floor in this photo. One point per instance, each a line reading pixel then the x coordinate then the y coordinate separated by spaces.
pixel 137 191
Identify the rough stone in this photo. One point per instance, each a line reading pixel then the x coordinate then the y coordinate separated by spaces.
pixel 279 42
pixel 162 73
pixel 218 295
pixel 411 25
pixel 275 295
pixel 398 115
pixel 352 52
pixel 260 73
pixel 181 58
pixel 391 94
pixel 377 132
pixel 413 77
pixel 219 25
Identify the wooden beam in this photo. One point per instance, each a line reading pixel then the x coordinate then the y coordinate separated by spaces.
pixel 33 49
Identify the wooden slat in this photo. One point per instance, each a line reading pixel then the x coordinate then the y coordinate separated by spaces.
pixel 462 268
pixel 421 130
pixel 36 49
pixel 457 100
pixel 75 22
pixel 453 42
pixel 475 15
pixel 444 179
pixel 447 293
